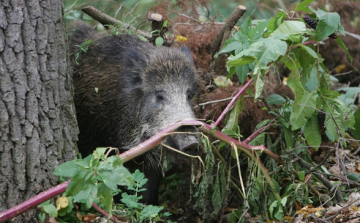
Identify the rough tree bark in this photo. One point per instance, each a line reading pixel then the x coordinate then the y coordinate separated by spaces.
pixel 38 126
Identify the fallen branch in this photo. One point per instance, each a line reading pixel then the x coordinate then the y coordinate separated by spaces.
pixel 144 147
pixel 108 20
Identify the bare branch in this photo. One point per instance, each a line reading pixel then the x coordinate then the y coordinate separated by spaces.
pixel 108 20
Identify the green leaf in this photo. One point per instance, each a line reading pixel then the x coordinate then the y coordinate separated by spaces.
pixel 99 152
pixel 257 31
pixel 259 85
pixel 304 108
pixel 232 46
pixel 105 196
pixel 240 61
pixel 342 45
pixel 232 126
pixel 310 51
pixel 51 210
pixel 159 41
pixel 288 28
pixel 263 51
pixel 276 22
pixel 67 169
pixel 242 72
pixel 353 176
pixel 276 99
pixel 87 194
pixel 301 175
pixel 303 6
pixel 149 212
pixel 312 132
pixel 329 22
pixel 114 176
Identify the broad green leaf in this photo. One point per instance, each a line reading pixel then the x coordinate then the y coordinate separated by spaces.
pixel 304 108
pixel 67 169
pixel 276 99
pixel 331 132
pixel 264 51
pixel 328 23
pixel 149 211
pixel 240 61
pixel 353 176
pixel 242 72
pixel 87 194
pixel 99 152
pixel 257 31
pixel 159 41
pixel 301 175
pixel 105 196
pixel 310 51
pixel 232 119
pixel 51 210
pixel 115 176
pixel 276 22
pixel 302 6
pixel 246 25
pixel 312 132
pixel 288 28
pixel 294 83
pixel 232 46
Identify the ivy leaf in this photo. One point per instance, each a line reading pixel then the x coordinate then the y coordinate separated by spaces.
pixel 312 132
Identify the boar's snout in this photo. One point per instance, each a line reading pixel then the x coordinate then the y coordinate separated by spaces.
pixel 188 142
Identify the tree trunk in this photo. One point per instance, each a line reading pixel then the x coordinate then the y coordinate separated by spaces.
pixel 38 126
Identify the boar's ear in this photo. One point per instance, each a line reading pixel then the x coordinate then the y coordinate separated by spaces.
pixel 187 52
pixel 134 65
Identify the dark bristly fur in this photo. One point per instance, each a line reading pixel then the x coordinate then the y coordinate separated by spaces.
pixel 127 90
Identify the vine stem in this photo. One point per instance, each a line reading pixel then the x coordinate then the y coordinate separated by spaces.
pixel 146 146
pixel 104 212
pixel 232 102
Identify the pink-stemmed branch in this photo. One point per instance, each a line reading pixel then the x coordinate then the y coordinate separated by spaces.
pixel 242 90
pixel 144 147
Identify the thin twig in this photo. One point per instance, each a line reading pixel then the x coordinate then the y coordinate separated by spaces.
pixel 108 20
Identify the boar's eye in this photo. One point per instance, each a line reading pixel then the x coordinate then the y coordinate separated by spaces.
pixel 160 96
